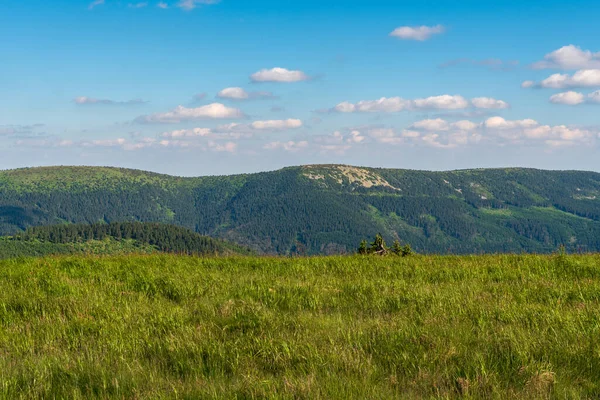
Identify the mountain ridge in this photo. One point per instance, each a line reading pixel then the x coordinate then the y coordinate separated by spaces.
pixel 323 208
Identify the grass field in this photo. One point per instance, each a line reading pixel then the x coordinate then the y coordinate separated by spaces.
pixel 161 326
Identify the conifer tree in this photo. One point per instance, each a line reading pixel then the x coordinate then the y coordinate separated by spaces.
pixel 397 248
pixel 362 248
pixel 378 246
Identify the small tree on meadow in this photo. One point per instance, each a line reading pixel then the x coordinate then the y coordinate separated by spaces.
pixel 362 248
pixel 397 248
pixel 407 250
pixel 378 246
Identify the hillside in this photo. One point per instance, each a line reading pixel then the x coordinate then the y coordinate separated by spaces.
pixel 112 239
pixel 324 208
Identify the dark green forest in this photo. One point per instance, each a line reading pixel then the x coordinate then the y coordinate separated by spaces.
pixel 323 209
pixel 113 238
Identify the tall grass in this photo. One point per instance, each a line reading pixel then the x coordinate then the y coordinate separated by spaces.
pixel 161 326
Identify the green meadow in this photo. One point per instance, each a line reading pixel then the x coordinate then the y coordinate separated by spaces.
pixel 176 327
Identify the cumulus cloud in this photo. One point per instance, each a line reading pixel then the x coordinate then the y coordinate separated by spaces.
pixel 189 5
pixel 277 74
pixel 519 131
pixel 168 141
pixel 433 140
pixel 234 93
pixel 580 79
pixel 392 104
pixel 291 145
pixel 527 84
pixel 84 100
pixel 162 5
pixel 431 125
pixel 489 103
pixel 221 132
pixel 569 57
pixel 465 125
pixel 277 124
pixel 229 147
pixel 95 3
pixel 501 123
pixel 188 133
pixel 569 98
pixel 575 98
pixel 397 104
pixel 420 33
pixel 444 102
pixel 494 130
pixel 181 113
pixel 237 93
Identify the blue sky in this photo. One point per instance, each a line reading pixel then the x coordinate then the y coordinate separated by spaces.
pixel 217 87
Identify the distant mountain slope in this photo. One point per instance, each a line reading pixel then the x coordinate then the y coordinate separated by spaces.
pixel 324 208
pixel 114 238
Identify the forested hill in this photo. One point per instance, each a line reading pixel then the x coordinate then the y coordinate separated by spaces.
pixel 113 238
pixel 324 208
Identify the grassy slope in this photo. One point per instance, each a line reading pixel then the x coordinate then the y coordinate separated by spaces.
pixel 163 326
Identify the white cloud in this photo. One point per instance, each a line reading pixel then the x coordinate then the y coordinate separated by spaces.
pixel 575 98
pixel 433 140
pixel 191 4
pixel 583 78
pixel 528 129
pixel 291 146
pixel 277 124
pixel 527 84
pixel 181 133
pixel 569 57
pixel 489 103
pixel 345 107
pixel 162 5
pixel 95 3
pixel 237 93
pixel 105 143
pixel 495 130
pixel 229 147
pixel 181 113
pixel 392 104
pixel 538 132
pixel 569 98
pixel 397 104
pixel 465 125
pixel 566 133
pixel 442 134
pixel 501 123
pixel 339 142
pixel 279 75
pixel 355 137
pixel 407 133
pixel 419 33
pixel 444 102
pixel 82 100
pixel 431 125
pixel 386 136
